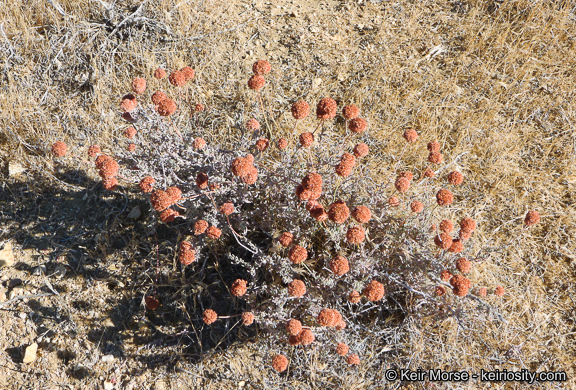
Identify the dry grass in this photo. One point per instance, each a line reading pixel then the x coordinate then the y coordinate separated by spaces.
pixel 493 82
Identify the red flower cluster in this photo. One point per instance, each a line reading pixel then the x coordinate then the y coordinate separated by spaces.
pixel 300 109
pixel 242 167
pixel 186 255
pixel 374 291
pixel 326 108
pixel 346 165
pixel 108 170
pixel 59 149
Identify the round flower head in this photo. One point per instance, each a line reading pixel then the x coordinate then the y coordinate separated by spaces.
pixel 374 291
pixel 174 193
pixel 94 150
pixel 282 143
pixel 445 275
pixel 355 235
pixel 306 337
pixel 532 218
pixel 339 265
pixel 338 212
pixel 250 158
pixel 300 109
pixel 238 288
pixel 482 292
pixel 361 214
pixel 433 147
pixel 326 108
pixel 440 290
pixel 186 255
pixel 247 318
pixel 166 107
pixel 358 125
pixel 100 160
pixel 241 166
pixel 327 317
pixel 456 246
pixel 468 224
pixel 256 82
pixel 341 349
pixel 151 302
pixel 261 67
pixel 262 144
pixel 353 359
pixel 446 226
pixel 402 184
pixel 159 73
pixel 350 112
pixel 410 135
pixel 443 241
pixel 188 73
pixel 213 232
pixel 109 168
pixel 168 215
pixel 130 132
pixel 280 363
pixel 312 182
pixel 416 206
pixel 128 103
pixel 138 85
pixel 429 173
pixel 455 178
pixel 444 197
pixel 199 107
pixel 294 340
pixel 252 124
pixel 109 183
pixel 209 316
pixel 460 285
pixel 199 143
pixel 251 177
pixel 318 213
pixel 296 288
pixel 286 239
pixel 59 149
pixel 306 139
pixel 227 208
pixel 354 297
pixel 361 150
pixel 177 78
pixel 160 200
pixel 435 158
pixel 499 291
pixel 346 165
pixel 131 147
pixel 463 265
pixel 394 201
pixel 293 327
pixel 406 175
pixel 158 96
pixel 200 227
pixel 202 180
pixel 297 254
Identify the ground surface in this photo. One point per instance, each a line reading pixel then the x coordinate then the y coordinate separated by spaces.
pixel 492 80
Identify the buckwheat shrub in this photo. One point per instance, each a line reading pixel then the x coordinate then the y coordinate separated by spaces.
pixel 290 236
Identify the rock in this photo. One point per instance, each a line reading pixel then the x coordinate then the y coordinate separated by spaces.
pixel 14 282
pixel 7 255
pixel 15 168
pixel 315 29
pixel 40 270
pixel 30 354
pixel 108 358
pixel 135 213
pixel 60 271
pixel 108 385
